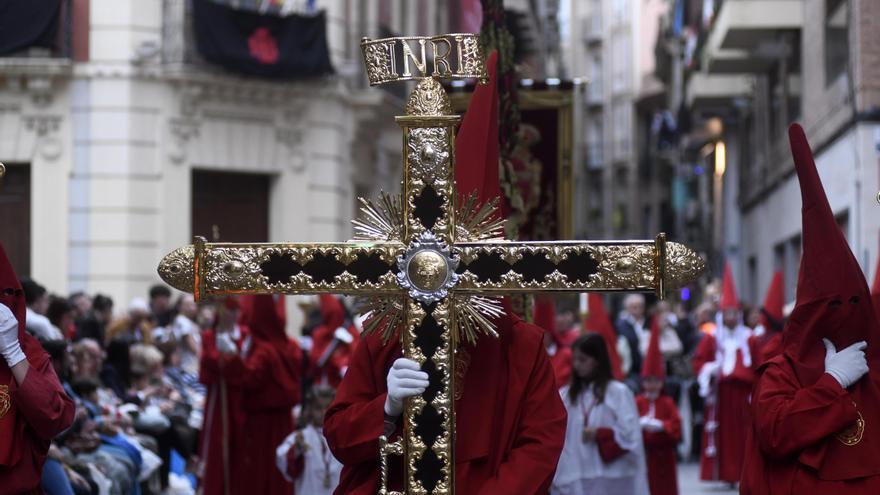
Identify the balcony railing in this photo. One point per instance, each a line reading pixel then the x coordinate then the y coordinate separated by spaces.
pixel 595 156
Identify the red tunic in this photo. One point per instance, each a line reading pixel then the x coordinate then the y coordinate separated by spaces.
pixel 38 409
pixel 765 347
pixel 33 412
pixel 269 377
pixel 561 362
pixel 660 445
pixel 510 421
pixel 731 415
pixel 335 366
pixel 211 374
pixel 788 420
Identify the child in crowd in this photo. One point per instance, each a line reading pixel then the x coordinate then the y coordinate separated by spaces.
pixel 304 457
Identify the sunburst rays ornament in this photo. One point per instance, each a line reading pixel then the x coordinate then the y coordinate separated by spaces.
pixel 423 264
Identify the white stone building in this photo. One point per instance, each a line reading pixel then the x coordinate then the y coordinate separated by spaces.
pixel 124 145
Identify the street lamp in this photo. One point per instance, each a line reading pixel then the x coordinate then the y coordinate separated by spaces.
pixel 720 159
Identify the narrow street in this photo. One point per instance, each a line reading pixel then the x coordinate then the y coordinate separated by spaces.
pixel 689 482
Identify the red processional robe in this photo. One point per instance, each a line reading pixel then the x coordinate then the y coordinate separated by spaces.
pixel 730 413
pixel 33 412
pixel 323 336
pixel 765 347
pixel 809 434
pixel 221 434
pixel 660 445
pixel 561 362
pixel 510 421
pixel 789 419
pixel 269 377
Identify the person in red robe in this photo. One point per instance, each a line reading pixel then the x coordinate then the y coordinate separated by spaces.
pixel 725 373
pixel 766 342
pixel 332 343
pixel 268 372
pixel 661 424
pixel 510 421
pixel 560 355
pixel 33 405
pixel 223 423
pixel 875 289
pixel 816 406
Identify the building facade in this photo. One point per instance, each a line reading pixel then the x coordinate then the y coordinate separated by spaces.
pixel 121 143
pixel 750 68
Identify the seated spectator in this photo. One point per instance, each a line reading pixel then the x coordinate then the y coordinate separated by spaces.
pixel 60 314
pixel 81 304
pixel 135 326
pixel 37 300
pixel 94 324
pixel 160 305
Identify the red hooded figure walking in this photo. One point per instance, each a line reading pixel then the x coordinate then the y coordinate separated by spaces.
pixel 33 406
pixel 725 372
pixel 816 407
pixel 661 424
pixel 223 425
pixel 269 377
pixel 332 343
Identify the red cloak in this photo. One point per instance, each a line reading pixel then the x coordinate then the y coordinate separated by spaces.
pixel 806 436
pixel 510 421
pixel 731 415
pixel 269 377
pixel 212 373
pixel 333 317
pixel 32 413
pixel 660 445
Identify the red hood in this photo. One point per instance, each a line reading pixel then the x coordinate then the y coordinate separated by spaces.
pixel 332 312
pixel 774 301
pixel 11 293
pixel 545 315
pixel 599 322
pixel 832 302
pixel 267 319
pixel 875 289
pixel 728 291
pixel 653 362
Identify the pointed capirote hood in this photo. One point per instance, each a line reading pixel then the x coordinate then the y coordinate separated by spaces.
pixel 267 318
pixel 833 302
pixel 598 321
pixel 544 316
pixel 728 291
pixel 652 365
pixel 332 312
pixel 774 302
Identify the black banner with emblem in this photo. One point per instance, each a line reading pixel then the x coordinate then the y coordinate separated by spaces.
pixel 265 45
pixel 27 23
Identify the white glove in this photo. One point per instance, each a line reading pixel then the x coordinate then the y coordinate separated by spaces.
pixel 225 344
pixel 10 348
pixel 848 365
pixel 650 424
pixel 405 379
pixel 342 335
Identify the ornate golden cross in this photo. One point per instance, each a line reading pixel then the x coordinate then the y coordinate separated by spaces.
pixel 428 261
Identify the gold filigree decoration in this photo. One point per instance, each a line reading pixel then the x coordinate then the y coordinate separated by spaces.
pixel 472 61
pixel 478 221
pixel 683 265
pixel 5 400
pixel 237 267
pixel 382 221
pixel 176 268
pixel 852 434
pixel 428 149
pixel 429 99
pixel 443 403
pixel 377 59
